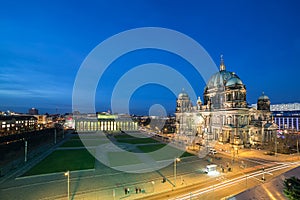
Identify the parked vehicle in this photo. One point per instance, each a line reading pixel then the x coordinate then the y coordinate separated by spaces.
pixel 212 151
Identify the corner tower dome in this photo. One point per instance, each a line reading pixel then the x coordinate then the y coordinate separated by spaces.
pixel 183 95
pixel 263 102
pixel 263 97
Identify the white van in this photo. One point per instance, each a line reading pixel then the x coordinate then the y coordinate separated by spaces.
pixel 210 168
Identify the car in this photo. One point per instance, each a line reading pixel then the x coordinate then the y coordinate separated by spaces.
pixel 212 151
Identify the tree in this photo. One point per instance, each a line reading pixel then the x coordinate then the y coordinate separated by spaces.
pixel 292 188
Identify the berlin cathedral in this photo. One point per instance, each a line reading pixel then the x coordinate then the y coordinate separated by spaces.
pixel 224 115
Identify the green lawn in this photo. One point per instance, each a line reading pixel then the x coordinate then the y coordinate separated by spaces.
pixel 72 143
pixel 138 140
pixel 166 153
pixel 123 136
pixel 150 148
pixel 62 161
pixel 186 154
pixel 87 136
pixel 84 142
pixel 75 137
pixel 122 158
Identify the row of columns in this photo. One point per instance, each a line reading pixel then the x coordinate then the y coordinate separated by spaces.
pixel 288 122
pixel 107 125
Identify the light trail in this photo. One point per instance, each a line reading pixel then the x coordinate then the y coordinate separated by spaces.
pixel 234 181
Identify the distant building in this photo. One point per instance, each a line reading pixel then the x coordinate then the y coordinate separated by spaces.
pixel 41 120
pixel 104 122
pixel 287 116
pixel 69 122
pixel 224 115
pixel 283 107
pixel 286 107
pixel 16 124
pixel 33 111
pixel 287 120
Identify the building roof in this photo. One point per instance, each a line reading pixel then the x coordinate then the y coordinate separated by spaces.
pixel 270 126
pixel 223 77
pixel 263 97
pixel 234 81
pixel 17 117
pixel 183 94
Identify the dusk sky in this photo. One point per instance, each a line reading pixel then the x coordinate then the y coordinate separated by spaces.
pixel 43 44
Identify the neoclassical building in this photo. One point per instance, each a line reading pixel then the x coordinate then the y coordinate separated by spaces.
pixel 104 122
pixel 224 115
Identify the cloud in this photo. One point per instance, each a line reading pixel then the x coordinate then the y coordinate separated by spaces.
pixel 27 83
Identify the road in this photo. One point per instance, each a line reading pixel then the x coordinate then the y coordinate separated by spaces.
pixel 221 188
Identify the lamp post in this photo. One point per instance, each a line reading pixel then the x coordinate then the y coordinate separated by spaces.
pixel 297 148
pixel 246 181
pixel 263 178
pixel 152 183
pixel 25 158
pixel 55 136
pixel 68 175
pixel 175 161
pixel 275 144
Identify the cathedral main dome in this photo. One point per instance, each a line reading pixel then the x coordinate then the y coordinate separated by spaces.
pixel 223 78
pixel 225 90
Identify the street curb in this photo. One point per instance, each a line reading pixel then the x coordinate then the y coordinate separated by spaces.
pixel 52 174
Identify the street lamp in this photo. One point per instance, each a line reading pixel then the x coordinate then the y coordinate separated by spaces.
pixel 175 161
pixel 152 182
pixel 68 175
pixel 55 136
pixel 297 146
pixel 25 149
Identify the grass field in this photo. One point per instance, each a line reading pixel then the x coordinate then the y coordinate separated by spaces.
pixel 123 136
pixel 167 152
pixel 62 161
pixel 122 158
pixel 150 148
pixel 84 142
pixel 72 143
pixel 138 141
pixel 88 136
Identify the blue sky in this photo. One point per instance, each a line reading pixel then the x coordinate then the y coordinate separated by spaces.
pixel 43 43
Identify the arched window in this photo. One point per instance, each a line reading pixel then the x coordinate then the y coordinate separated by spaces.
pixel 229 120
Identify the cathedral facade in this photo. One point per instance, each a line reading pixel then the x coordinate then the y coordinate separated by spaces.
pixel 224 115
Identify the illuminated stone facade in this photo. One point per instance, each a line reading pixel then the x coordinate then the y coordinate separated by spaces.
pixel 224 116
pixel 104 122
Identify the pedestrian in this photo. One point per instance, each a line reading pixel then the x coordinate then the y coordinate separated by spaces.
pixel 128 190
pixel 140 190
pixel 136 190
pixel 125 189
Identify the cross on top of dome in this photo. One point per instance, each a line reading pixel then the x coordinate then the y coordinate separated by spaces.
pixel 222 65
